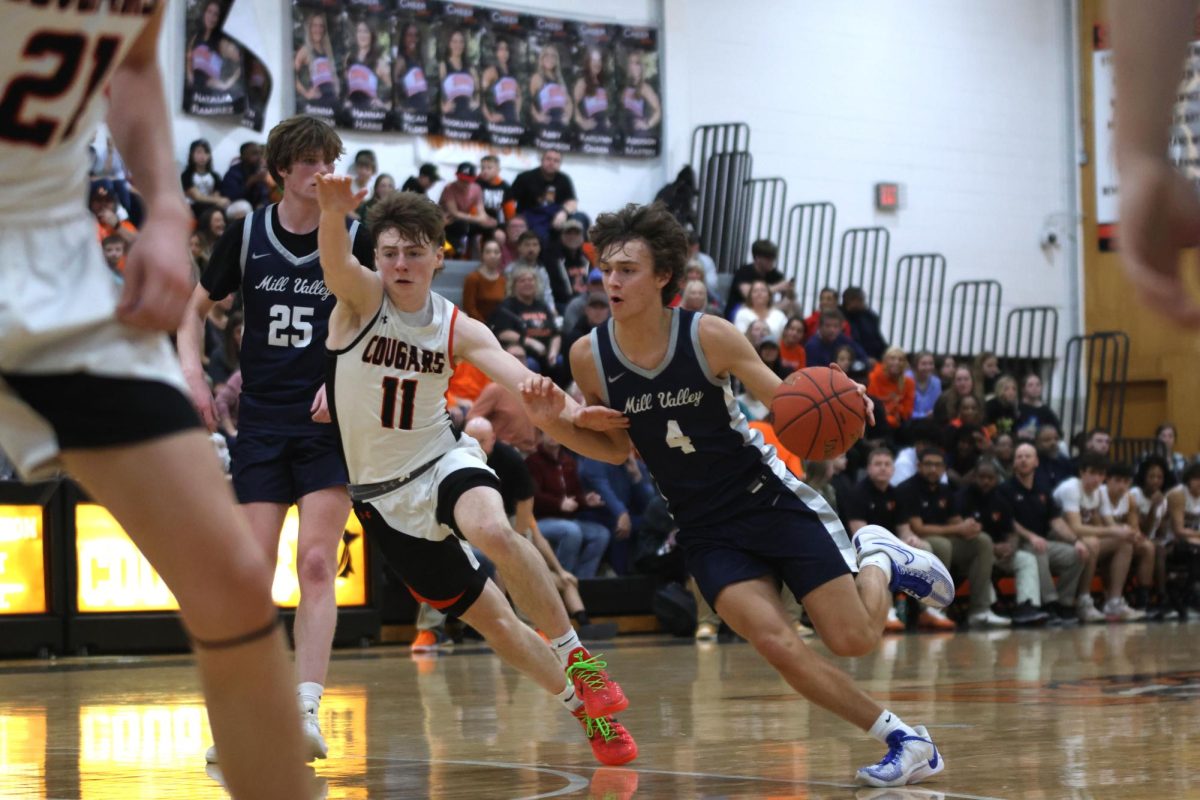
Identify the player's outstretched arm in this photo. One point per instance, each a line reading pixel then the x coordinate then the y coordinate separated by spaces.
pixel 1160 213
pixel 158 270
pixel 595 433
pixel 354 286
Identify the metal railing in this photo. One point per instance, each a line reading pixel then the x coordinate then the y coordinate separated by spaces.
pixel 720 157
pixel 1131 450
pixel 762 213
pixel 1095 372
pixel 807 248
pixel 915 321
pixel 1031 345
pixel 973 319
pixel 862 261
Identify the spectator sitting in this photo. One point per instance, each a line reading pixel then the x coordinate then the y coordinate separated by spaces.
pixel 890 384
pixel 595 313
pixel 864 323
pixel 970 412
pixel 791 346
pixel 986 369
pixel 529 188
pixel 200 182
pixel 578 543
pixel 573 259
pixel 695 298
pixel 1183 550
pixel 196 251
pixel 946 407
pixel 827 300
pixel 1166 434
pixel 927 387
pixel 762 267
pixel 108 221
pixel 524 319
pixel 1149 497
pixel 768 352
pixel 494 188
pixel 706 263
pixel 822 349
pixel 382 189
pixel 484 288
pixel 1032 413
pixel 1083 510
pixel 1053 466
pixel 365 168
pixel 211 227
pixel 513 228
pixel 462 204
pixel 507 415
pixel 551 287
pixel 1118 508
pixel 427 176
pixel 874 502
pixel 931 509
pixel 247 178
pixel 1045 534
pixel 980 501
pixel 1002 411
pixel 626 490
pixel 694 271
pixel 759 307
pixel 945 370
pixel 574 310
pixel 114 253
pixel 1003 450
pixel 1098 441
pixel 921 436
pixel 847 363
pixel 757 332
pixel 966 445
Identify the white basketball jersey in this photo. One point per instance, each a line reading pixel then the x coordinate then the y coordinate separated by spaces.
pixel 389 391
pixel 55 63
pixel 1191 507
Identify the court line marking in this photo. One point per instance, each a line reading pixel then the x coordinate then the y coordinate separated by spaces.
pixel 575 782
pixel 831 784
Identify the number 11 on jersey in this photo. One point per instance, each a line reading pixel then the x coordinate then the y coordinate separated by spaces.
pixel 408 395
pixel 675 438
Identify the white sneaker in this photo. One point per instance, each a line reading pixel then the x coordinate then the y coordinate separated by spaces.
pixel 313 740
pixel 909 759
pixel 1087 611
pixel 1117 610
pixel 706 632
pixel 210 756
pixel 915 572
pixel 989 619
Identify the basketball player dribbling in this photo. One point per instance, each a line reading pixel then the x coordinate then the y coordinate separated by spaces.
pixel 425 492
pixel 745 522
pixel 286 451
pixel 1160 210
pixel 88 380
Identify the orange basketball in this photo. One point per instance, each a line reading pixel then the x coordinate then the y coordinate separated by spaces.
pixel 818 414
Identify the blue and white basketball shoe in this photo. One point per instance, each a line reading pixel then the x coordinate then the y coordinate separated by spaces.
pixel 909 759
pixel 915 572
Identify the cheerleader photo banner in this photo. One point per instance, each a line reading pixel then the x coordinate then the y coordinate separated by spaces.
pixel 473 73
pixel 222 76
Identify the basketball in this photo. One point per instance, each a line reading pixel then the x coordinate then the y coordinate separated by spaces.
pixel 818 414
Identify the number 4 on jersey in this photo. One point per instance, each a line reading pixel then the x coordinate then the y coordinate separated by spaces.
pixel 675 438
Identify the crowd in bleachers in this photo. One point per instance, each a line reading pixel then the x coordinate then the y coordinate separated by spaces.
pixel 964 458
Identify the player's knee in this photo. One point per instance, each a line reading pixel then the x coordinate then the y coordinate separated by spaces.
pixel 984 543
pixel 776 646
pixel 314 569
pixel 851 642
pixel 240 590
pixel 495 538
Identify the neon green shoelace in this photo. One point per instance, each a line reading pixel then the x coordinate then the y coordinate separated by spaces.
pixel 588 670
pixel 599 725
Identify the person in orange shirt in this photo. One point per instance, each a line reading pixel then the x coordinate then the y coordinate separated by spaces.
pixel 889 384
pixel 104 208
pixel 791 346
pixel 789 459
pixel 827 300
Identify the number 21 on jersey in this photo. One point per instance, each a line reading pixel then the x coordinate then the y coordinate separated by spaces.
pixel 675 438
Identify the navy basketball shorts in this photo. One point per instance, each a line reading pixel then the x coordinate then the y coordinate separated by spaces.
pixel 774 534
pixel 281 468
pixel 441 572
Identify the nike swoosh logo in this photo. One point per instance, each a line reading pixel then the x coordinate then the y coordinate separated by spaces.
pixel 615 378
pixel 908 557
pixel 259 255
pixel 933 762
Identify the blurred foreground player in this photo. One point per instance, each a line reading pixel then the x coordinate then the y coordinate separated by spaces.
pixel 425 492
pixel 745 522
pixel 88 380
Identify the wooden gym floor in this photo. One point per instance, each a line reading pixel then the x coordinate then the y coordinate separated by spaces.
pixel 1099 712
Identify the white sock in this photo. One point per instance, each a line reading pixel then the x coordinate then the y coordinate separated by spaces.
pixel 887 724
pixel 878 559
pixel 563 645
pixel 568 698
pixel 310 696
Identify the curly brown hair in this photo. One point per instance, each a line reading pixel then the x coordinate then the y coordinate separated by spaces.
pixel 414 216
pixel 657 228
pixel 297 137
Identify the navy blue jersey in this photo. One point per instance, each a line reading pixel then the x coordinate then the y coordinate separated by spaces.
pixel 287 308
pixel 685 423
